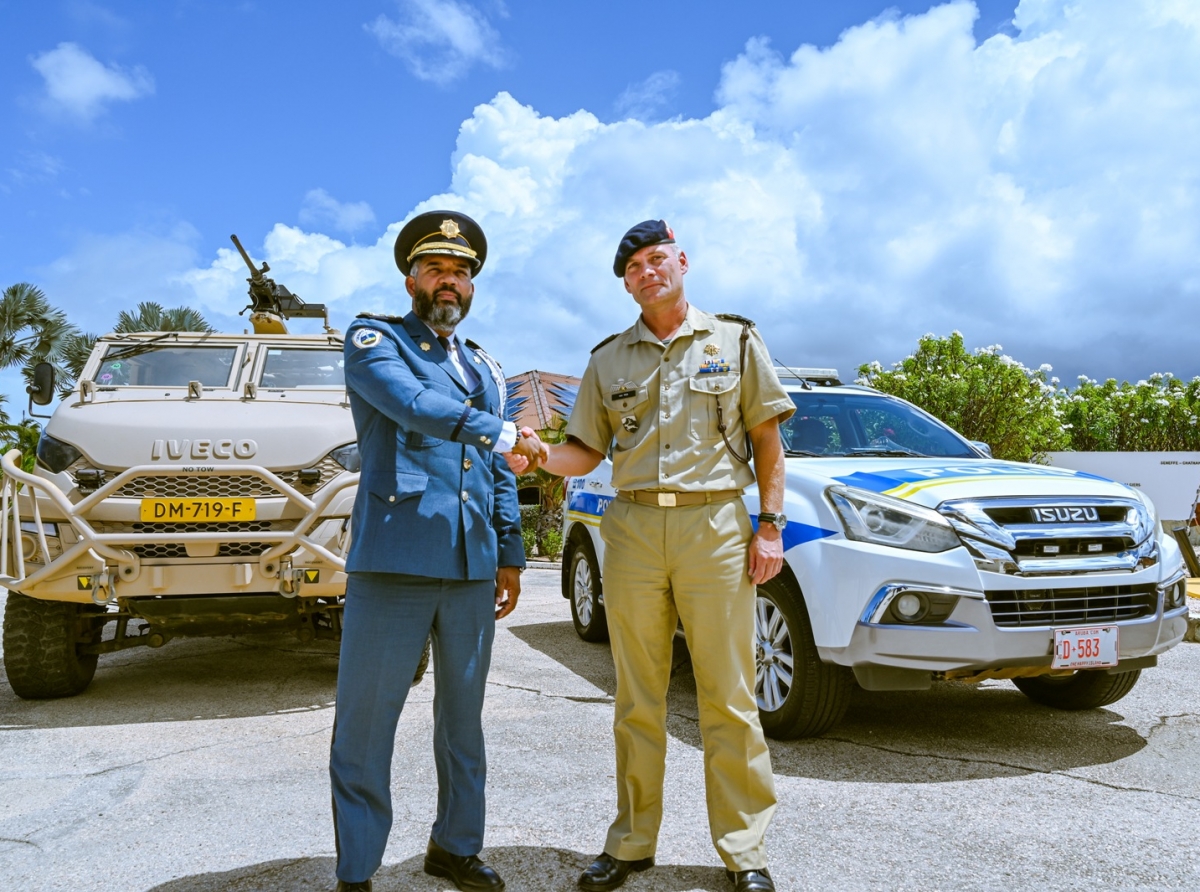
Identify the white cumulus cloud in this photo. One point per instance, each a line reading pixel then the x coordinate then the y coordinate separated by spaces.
pixel 80 86
pixel 1040 191
pixel 439 40
pixel 322 208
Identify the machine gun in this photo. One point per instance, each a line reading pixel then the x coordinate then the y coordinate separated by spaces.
pixel 271 303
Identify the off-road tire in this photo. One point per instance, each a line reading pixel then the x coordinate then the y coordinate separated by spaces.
pixel 583 580
pixel 1086 689
pixel 814 698
pixel 42 642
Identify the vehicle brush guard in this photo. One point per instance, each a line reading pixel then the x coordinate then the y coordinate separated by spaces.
pixel 23 490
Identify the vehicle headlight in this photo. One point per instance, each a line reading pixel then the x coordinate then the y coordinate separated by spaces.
pixel 55 455
pixel 347 456
pixel 882 520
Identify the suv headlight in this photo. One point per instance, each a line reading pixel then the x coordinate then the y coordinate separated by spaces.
pixel 882 520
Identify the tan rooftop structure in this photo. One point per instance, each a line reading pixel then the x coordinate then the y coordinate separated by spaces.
pixel 536 399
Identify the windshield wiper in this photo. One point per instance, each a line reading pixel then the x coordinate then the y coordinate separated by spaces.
pixel 142 346
pixel 900 451
pixel 801 453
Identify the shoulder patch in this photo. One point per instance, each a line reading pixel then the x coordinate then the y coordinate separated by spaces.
pixel 605 341
pixel 734 317
pixel 382 317
pixel 365 337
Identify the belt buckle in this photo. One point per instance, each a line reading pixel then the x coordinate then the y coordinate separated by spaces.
pixel 666 499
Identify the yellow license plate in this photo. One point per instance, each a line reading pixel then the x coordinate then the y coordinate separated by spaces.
pixel 196 510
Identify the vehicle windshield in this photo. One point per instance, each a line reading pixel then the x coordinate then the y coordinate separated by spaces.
pixel 848 424
pixel 160 365
pixel 287 367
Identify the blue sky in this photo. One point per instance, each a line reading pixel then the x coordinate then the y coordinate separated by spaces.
pixel 851 175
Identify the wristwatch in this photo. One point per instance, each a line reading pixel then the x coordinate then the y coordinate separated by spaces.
pixel 779 521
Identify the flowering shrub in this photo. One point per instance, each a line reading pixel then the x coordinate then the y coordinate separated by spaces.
pixel 1022 414
pixel 984 395
pixel 1156 415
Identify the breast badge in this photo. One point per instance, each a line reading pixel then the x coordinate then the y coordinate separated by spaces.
pixel 425 346
pixel 365 337
pixel 713 366
pixel 630 423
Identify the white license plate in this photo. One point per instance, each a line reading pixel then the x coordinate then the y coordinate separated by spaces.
pixel 1094 647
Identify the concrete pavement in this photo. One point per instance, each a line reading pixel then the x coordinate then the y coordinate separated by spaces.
pixel 202 766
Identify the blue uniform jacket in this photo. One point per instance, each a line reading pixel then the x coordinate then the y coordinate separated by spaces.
pixel 433 500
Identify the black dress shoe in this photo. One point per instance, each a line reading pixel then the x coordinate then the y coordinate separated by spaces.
pixel 751 880
pixel 465 871
pixel 607 872
pixel 343 886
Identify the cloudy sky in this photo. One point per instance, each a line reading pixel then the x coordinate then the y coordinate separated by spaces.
pixel 850 175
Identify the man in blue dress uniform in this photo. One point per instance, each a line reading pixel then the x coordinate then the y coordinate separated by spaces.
pixel 435 553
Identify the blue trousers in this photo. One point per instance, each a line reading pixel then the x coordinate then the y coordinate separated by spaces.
pixel 388 616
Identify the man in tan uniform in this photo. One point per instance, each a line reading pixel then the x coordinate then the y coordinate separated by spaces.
pixel 682 393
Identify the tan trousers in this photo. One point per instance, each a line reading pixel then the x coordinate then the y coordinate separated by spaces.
pixel 660 565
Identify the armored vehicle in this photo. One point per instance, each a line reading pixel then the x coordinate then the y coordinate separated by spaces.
pixel 190 484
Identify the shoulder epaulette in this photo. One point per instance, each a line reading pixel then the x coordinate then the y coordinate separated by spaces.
pixel 471 344
pixel 605 341
pixel 734 317
pixel 382 317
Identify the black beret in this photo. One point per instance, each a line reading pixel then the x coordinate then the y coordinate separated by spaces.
pixel 648 232
pixel 441 232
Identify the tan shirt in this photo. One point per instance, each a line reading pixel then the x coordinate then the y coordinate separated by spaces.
pixel 660 403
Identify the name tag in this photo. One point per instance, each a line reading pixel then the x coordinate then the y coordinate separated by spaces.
pixel 623 395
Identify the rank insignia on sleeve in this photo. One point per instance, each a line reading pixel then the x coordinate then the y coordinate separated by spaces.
pixel 365 337
pixel 425 346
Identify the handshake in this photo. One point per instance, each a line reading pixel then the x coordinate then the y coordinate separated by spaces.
pixel 527 453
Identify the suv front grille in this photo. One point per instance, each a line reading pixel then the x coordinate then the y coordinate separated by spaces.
pixel 1071 606
pixel 1047 536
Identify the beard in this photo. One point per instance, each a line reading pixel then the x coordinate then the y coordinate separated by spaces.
pixel 439 315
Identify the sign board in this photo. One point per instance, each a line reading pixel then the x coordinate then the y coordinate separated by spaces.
pixel 1170 479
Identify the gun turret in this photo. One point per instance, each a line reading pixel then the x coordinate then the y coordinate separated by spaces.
pixel 271 303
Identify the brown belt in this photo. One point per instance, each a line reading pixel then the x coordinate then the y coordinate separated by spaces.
pixel 677 499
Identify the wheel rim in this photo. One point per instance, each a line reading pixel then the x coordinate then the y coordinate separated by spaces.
pixel 772 656
pixel 583 591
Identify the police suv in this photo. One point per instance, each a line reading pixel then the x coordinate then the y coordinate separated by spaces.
pixel 190 484
pixel 912 556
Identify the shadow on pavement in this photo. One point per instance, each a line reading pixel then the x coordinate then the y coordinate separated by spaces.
pixel 524 869
pixel 952 732
pixel 188 679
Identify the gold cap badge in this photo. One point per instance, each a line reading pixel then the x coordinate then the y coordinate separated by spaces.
pixel 450 229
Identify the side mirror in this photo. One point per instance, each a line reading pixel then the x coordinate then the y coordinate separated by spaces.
pixel 41 391
pixel 982 447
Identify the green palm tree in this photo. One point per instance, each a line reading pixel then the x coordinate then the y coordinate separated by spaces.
pixel 32 331
pixel 151 316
